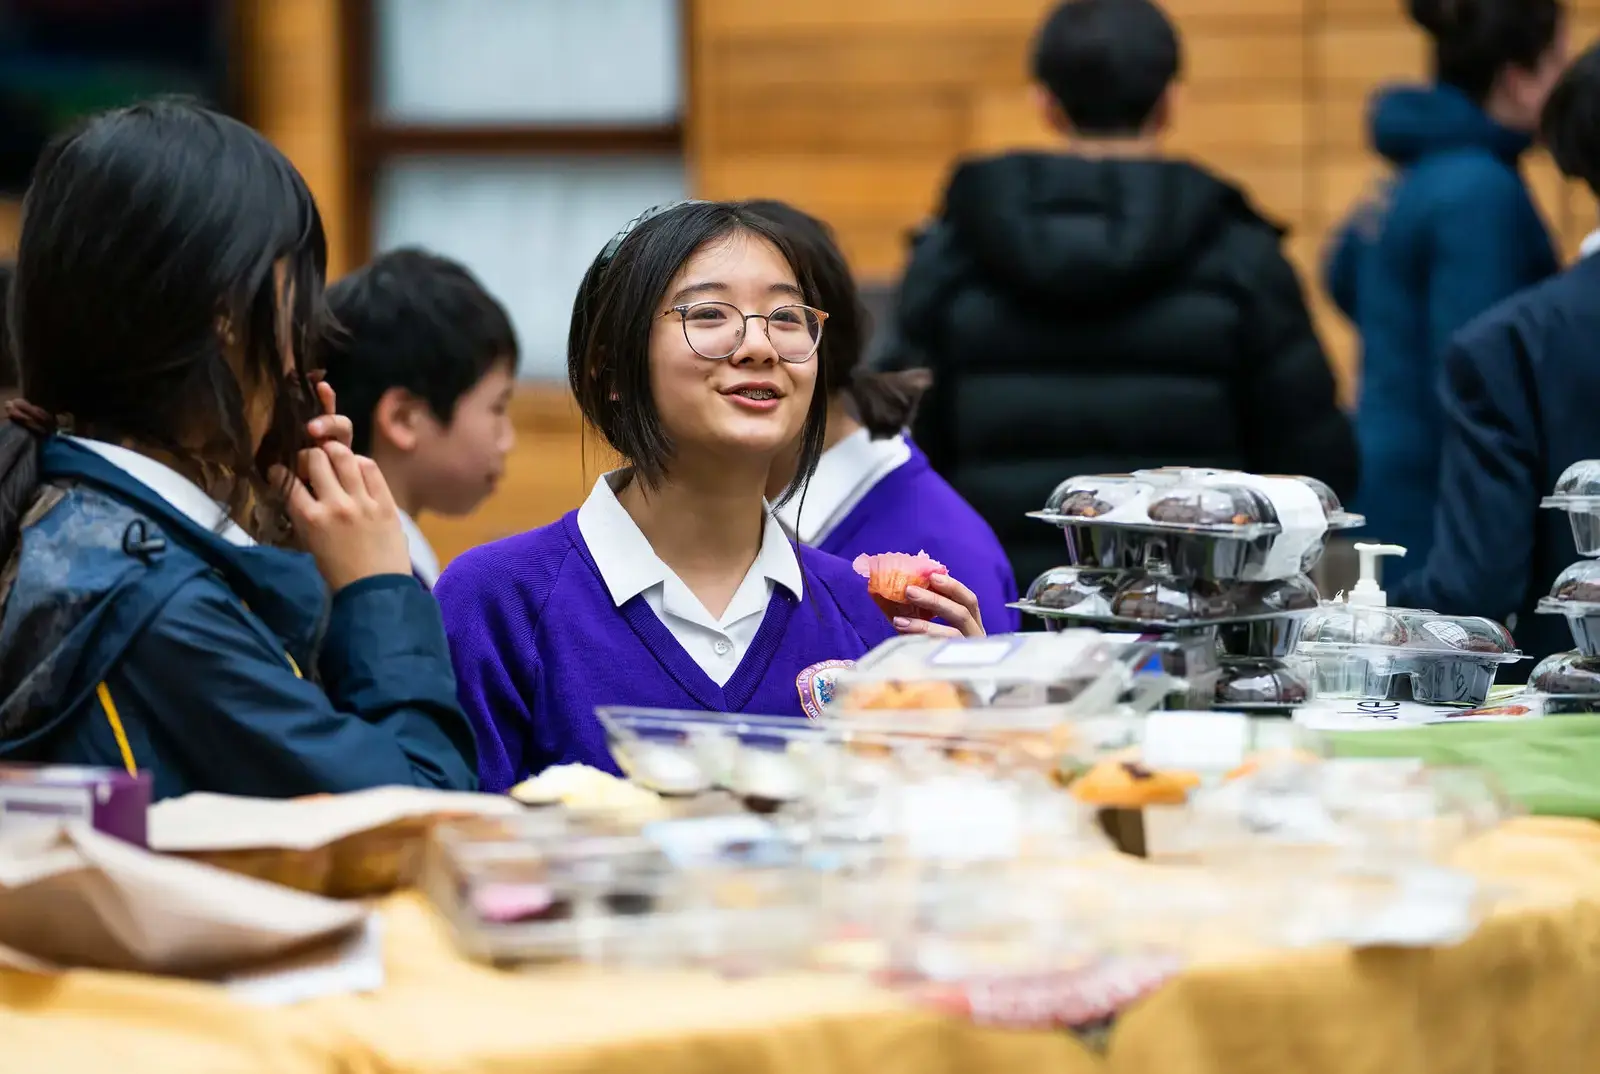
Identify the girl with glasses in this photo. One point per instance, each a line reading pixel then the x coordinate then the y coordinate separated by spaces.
pixel 692 351
pixel 873 487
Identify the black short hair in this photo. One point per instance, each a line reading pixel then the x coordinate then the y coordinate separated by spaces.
pixel 884 402
pixel 1570 124
pixel 1474 40
pixel 414 320
pixel 8 359
pixel 151 245
pixel 1107 63
pixel 608 342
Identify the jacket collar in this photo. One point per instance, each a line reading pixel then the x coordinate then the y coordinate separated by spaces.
pixel 280 587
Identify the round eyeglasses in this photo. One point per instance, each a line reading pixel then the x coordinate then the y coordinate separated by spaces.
pixel 716 330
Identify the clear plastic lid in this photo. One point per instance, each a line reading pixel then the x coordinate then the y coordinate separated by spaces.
pixel 1568 674
pixel 1332 506
pixel 1261 683
pixel 1153 599
pixel 1576 590
pixel 1088 592
pixel 1206 505
pixel 1341 626
pixel 1094 495
pixel 1579 485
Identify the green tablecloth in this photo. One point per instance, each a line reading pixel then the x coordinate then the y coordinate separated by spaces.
pixel 1551 766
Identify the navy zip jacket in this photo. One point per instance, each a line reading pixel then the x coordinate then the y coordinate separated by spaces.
pixel 1451 234
pixel 1521 384
pixel 132 637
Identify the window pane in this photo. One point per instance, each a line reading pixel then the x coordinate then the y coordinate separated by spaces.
pixel 486 62
pixel 527 226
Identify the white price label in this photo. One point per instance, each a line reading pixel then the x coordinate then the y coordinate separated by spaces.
pixel 973 652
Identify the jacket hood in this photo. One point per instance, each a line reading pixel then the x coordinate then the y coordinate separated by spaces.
pixel 1084 231
pixel 1411 122
pixel 98 564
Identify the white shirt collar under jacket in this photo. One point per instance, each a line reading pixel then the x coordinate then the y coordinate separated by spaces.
pixel 845 474
pixel 185 497
pixel 424 560
pixel 1590 244
pixel 630 567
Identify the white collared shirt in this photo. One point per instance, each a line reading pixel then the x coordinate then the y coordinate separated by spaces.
pixel 1590 244
pixel 845 474
pixel 184 496
pixel 424 560
pixel 629 567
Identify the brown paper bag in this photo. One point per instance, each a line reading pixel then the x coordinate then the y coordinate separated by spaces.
pixel 70 896
pixel 345 846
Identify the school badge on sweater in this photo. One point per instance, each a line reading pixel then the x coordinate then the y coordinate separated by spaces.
pixel 816 685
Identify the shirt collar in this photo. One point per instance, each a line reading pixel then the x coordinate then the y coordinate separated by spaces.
pixel 845 473
pixel 424 560
pixel 185 497
pixel 1590 244
pixel 629 566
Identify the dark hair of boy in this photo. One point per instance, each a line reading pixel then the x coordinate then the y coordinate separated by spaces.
pixel 149 234
pixel 1570 124
pixel 1474 40
pixel 608 343
pixel 1107 63
pixel 884 402
pixel 413 320
pixel 8 361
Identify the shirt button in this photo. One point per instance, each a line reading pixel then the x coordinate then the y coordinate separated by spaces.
pixel 723 646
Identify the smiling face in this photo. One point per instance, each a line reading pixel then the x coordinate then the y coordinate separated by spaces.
pixel 751 402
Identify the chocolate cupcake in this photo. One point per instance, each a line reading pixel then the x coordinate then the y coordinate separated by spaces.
pixel 1260 682
pixel 1567 673
pixel 1173 600
pixel 1579 590
pixel 1298 594
pixel 1085 504
pixel 1212 505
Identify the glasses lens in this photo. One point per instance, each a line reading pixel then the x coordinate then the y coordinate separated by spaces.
pixel 714 329
pixel 795 332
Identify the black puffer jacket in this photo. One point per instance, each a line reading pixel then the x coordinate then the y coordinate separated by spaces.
pixel 1087 316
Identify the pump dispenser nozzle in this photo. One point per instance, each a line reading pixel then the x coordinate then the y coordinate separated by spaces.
pixel 1366 593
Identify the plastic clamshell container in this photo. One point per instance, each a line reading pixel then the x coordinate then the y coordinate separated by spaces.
pixel 1141 600
pixel 1187 522
pixel 1077 671
pixel 1568 675
pixel 1401 654
pixel 514 895
pixel 1577 492
pixel 1265 684
pixel 1576 595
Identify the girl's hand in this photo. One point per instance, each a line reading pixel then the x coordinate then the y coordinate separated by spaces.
pixel 344 515
pixel 945 599
pixel 332 427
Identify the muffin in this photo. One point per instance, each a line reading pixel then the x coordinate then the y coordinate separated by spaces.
pixel 1173 599
pixel 1213 505
pixel 1260 682
pixel 1085 503
pixel 1571 674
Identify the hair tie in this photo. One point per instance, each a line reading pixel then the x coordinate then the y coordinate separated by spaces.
pixel 615 244
pixel 36 419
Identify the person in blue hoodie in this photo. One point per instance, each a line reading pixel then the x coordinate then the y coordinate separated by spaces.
pixel 167 303
pixel 1450 233
pixel 1519 401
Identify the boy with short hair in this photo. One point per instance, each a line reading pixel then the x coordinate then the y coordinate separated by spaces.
pixel 424 364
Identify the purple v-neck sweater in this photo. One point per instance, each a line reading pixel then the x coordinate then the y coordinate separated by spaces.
pixel 538 644
pixel 912 508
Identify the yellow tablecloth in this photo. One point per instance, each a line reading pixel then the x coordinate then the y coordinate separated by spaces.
pixel 1522 995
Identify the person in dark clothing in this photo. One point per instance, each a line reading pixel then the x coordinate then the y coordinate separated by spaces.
pixel 1107 308
pixel 167 306
pixel 8 361
pixel 1452 232
pixel 1519 408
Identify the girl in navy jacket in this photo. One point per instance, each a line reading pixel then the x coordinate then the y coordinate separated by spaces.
pixel 167 299
pixel 692 351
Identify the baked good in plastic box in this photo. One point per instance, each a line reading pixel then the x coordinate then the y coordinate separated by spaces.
pixel 1196 523
pixel 1248 684
pixel 1143 599
pixel 1570 676
pixel 1401 654
pixel 1577 492
pixel 1576 595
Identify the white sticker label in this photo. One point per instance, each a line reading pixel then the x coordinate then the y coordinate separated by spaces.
pixel 1195 740
pixel 1304 523
pixel 973 652
pixel 24 803
pixel 962 820
pixel 1451 634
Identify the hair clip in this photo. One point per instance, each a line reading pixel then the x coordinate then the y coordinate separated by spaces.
pixel 615 244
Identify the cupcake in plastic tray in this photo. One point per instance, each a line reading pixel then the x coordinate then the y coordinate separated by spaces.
pixel 1578 494
pixel 1568 675
pixel 1147 601
pixel 1261 684
pixel 1195 523
pixel 1576 595
pixel 1399 654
